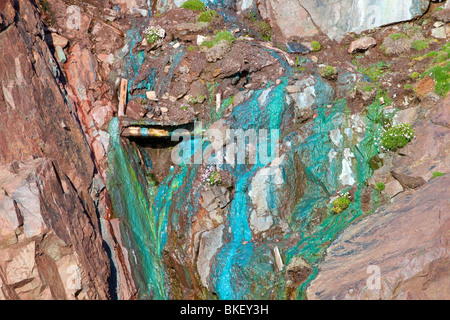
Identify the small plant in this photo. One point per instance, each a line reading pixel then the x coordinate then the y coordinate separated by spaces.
pixel 438 9
pixel 224 35
pixel 265 30
pixel 408 86
pixel 437 174
pixel 212 177
pixel 197 99
pixel 397 137
pixel 195 5
pixel 375 71
pixel 316 46
pixel 154 34
pixel 341 203
pixel 415 75
pixel 440 73
pixel 398 36
pixel 380 186
pixel 328 72
pixel 368 88
pixel 420 45
pixel 251 15
pixel 220 36
pixel 207 16
pixel 191 48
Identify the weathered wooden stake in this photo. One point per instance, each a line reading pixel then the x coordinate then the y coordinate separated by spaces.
pixel 123 97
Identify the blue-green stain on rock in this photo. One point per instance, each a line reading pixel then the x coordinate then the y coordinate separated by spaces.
pixel 263 111
pixel 143 208
pixel 323 181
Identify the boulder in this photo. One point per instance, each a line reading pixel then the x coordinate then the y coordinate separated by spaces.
pixel 336 18
pixel 294 47
pixel 290 17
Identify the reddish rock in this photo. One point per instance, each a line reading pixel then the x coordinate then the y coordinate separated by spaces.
pixel 81 72
pixel 428 152
pixel 57 241
pixel 408 181
pixel 32 104
pixel 101 113
pixel 135 110
pixel 58 40
pixel 425 86
pixel 406 241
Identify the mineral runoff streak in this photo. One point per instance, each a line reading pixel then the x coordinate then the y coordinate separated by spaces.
pixel 238 309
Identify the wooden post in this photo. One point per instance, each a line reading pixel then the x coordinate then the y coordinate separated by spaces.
pixel 218 102
pixel 123 96
pixel 278 260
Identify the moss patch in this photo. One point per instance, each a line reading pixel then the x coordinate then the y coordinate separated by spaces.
pixel 195 5
pixel 207 16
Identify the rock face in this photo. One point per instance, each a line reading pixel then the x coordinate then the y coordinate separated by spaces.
pixel 50 246
pixel 335 18
pixel 405 243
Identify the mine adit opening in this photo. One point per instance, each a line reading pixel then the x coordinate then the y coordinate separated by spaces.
pixel 153 142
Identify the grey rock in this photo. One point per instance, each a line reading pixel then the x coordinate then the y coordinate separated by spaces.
pixel 294 47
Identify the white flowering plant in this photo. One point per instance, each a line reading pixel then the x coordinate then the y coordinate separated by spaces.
pixel 154 34
pixel 212 176
pixel 396 137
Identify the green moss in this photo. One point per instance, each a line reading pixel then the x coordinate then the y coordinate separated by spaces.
pixel 316 46
pixel 224 35
pixel 207 16
pixel 208 43
pixel 328 72
pixel 408 86
pixel 221 35
pixel 415 75
pixel 375 71
pixel 397 36
pixel 341 203
pixel 368 88
pixel 197 99
pixel 380 186
pixel 420 45
pixel 437 174
pixel 441 74
pixel 195 5
pixel 191 48
pixel 438 9
pixel 397 137
pixel 431 54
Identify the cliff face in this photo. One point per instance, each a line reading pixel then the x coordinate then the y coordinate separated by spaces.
pixel 50 240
